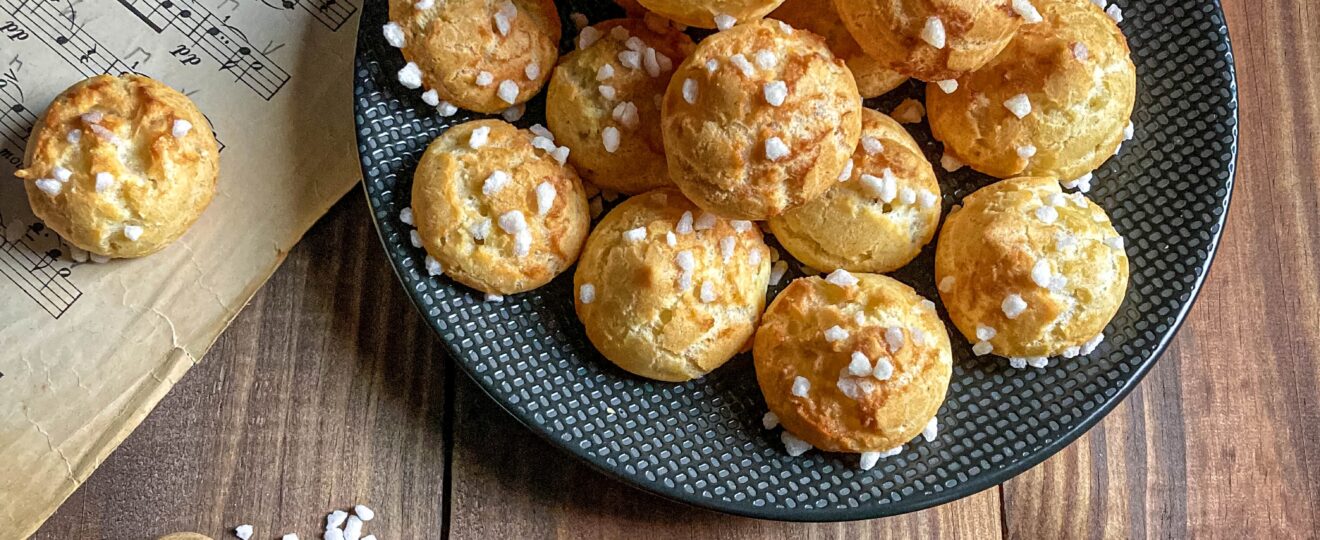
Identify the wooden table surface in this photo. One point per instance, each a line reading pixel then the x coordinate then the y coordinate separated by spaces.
pixel 328 391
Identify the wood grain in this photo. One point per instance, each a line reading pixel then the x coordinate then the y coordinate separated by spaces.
pixel 328 390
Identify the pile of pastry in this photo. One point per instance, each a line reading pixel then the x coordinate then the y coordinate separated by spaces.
pixel 760 124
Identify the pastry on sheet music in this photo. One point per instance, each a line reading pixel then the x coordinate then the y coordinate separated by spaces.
pixel 475 54
pixel 120 166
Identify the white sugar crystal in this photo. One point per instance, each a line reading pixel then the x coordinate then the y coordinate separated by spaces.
pixel 1091 344
pixel 479 137
pixel 626 114
pixel 587 293
pixel 985 333
pixel 860 365
pixel 369 537
pixel 394 35
pixel 801 386
pixel 414 238
pixel 949 86
pixel 793 445
pixel 842 278
pixel 933 32
pixel 670 239
pixel 919 336
pixel 1082 183
pixel 906 195
pixel 1114 12
pixel 579 20
pixel 495 183
pixel 892 451
pixel 1027 11
pixel 950 163
pixel 635 43
pixel 353 528
pixel 712 65
pixel 494 298
pixel 433 267
pixel 766 59
pixel 424 4
pixel 1101 3
pixel 770 420
pixel 1040 273
pixel 77 254
pixel 868 460
pixel 243 532
pixel 132 232
pixel 540 131
pixel 1038 362
pixel 704 222
pixel 931 430
pixel 1019 105
pixel 982 348
pixel 1115 242
pixel 180 128
pixel 605 73
pixel 481 229
pixel 543 144
pixel 1071 352
pixel 62 174
pixel 741 225
pixel 560 154
pixel 630 59
pixel 724 21
pixel 589 36
pixel 775 93
pixel 1047 214
pixel 610 139
pixel 446 109
pixel 739 61
pixel 50 186
pixel 290 536
pixel 545 198
pixel 635 235
pixel 754 256
pixel 847 171
pixel 1057 283
pixel 103 181
pixel 684 223
pixel 98 259
pixel 666 63
pixel 607 91
pixel 1017 363
pixel 775 149
pixel 94 117
pixel 894 338
pixel 927 199
pixel 485 78
pixel 1026 151
pixel 651 61
pixel 1013 305
pixel 708 292
pixel 532 71
pixel 1129 131
pixel 362 511
pixel 777 272
pixel 872 145
pixel 508 91
pixel 502 23
pixel 1080 51
pixel 513 222
pixel 835 333
pixel 946 284
pixel 522 243
pixel 1056 199
pixel 690 91
pixel 726 247
pixel 411 75
pixel 685 261
pixel 884 369
pixel 431 97
pixel 1065 240
pixel 73 136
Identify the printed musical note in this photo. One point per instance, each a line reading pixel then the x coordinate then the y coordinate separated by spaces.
pixel 136 57
pixel 32 258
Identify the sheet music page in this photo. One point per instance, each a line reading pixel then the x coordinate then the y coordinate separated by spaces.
pixel 87 348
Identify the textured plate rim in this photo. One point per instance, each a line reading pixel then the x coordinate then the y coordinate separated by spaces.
pixel 973 485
